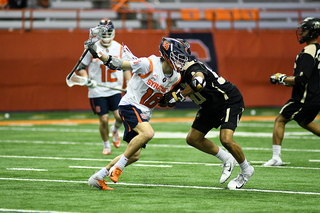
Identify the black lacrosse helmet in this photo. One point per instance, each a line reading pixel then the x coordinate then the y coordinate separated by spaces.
pixel 309 28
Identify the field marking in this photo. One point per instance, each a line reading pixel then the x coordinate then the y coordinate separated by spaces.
pixel 33 211
pixel 96 121
pixel 314 161
pixel 141 161
pixel 148 165
pixel 149 145
pixel 28 169
pixel 159 134
pixel 168 186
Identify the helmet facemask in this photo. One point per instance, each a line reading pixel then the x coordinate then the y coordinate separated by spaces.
pixel 178 61
pixel 108 37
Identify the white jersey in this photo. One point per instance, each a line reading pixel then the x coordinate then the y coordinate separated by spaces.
pixel 102 74
pixel 148 84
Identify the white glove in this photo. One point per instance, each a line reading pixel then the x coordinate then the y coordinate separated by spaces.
pixel 90 83
pixel 278 79
pixel 171 98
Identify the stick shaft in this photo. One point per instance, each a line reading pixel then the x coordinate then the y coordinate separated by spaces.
pixel 77 64
pixel 101 85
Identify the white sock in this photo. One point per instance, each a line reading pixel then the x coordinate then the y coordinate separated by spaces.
pixel 116 125
pixel 103 172
pixel 106 144
pixel 276 151
pixel 244 165
pixel 222 155
pixel 122 162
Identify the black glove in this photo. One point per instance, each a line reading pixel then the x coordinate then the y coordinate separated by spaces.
pixel 162 102
pixel 90 47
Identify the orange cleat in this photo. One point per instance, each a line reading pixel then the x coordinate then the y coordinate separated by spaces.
pixel 116 139
pixel 114 174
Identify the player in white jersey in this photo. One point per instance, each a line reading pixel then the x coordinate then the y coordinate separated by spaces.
pixel 103 99
pixel 152 78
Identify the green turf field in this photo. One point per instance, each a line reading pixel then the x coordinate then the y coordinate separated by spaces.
pixel 45 168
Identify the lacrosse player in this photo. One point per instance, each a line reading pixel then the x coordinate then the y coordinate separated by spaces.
pixel 304 104
pixel 221 106
pixel 103 99
pixel 152 78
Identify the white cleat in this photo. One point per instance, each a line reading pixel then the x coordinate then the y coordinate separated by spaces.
pixel 241 179
pixel 274 162
pixel 106 151
pixel 227 169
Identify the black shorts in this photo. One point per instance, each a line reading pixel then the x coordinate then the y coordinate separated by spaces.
pixel 301 113
pixel 226 116
pixel 102 105
pixel 131 116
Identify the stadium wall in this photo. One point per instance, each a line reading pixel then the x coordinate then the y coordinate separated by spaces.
pixel 34 65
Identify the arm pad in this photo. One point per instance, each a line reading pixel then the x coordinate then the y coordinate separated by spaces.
pixel 114 63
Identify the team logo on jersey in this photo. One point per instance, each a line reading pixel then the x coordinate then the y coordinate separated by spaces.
pixel 155 85
pixel 164 80
pixel 98 109
pixel 143 116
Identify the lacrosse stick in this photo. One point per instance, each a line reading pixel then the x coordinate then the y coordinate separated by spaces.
pixel 128 56
pixel 94 36
pixel 81 81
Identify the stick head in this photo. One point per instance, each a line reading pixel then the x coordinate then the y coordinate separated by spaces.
pixel 96 33
pixel 76 80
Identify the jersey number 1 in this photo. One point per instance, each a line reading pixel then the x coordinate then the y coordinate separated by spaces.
pixel 149 99
pixel 107 74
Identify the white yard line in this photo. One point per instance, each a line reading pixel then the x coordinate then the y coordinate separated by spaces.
pixel 33 211
pixel 149 145
pixel 28 169
pixel 168 186
pixel 211 134
pixel 141 161
pixel 318 161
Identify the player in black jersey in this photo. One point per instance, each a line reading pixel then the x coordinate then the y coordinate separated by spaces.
pixel 304 104
pixel 221 104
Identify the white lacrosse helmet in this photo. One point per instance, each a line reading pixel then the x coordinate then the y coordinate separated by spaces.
pixel 109 35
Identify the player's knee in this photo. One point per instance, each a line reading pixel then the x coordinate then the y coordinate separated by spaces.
pixel 191 140
pixel 148 135
pixel 226 141
pixel 104 120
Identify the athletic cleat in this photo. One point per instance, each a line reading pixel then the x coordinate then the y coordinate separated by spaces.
pixel 227 169
pixel 107 151
pixel 98 181
pixel 274 162
pixel 116 139
pixel 114 174
pixel 240 180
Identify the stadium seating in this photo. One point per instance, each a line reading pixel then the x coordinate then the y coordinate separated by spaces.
pixel 200 14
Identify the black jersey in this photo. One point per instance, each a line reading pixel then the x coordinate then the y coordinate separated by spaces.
pixel 217 90
pixel 307 75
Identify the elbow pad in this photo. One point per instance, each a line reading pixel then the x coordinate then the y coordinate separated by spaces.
pixel 197 84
